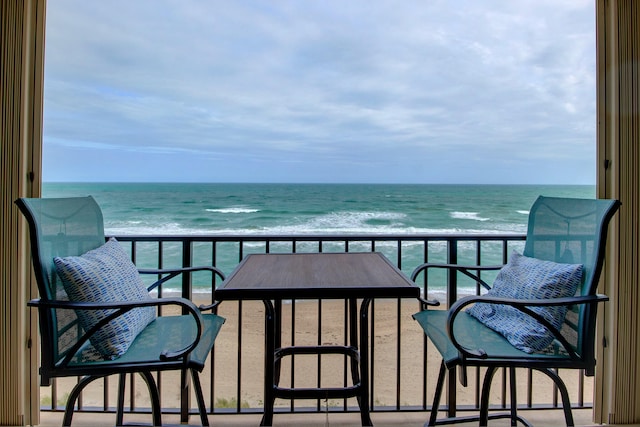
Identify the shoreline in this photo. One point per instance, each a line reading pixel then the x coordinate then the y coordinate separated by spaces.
pixel 204 297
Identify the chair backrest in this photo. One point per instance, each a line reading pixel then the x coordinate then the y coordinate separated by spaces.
pixel 59 227
pixel 573 231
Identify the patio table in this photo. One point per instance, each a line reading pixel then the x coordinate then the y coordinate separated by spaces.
pixel 351 276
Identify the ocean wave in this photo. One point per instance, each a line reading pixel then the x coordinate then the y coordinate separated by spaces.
pixel 523 212
pixel 333 223
pixel 468 215
pixel 301 229
pixel 355 219
pixel 234 210
pixel 138 228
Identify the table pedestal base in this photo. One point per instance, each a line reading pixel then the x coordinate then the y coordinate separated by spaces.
pixel 357 352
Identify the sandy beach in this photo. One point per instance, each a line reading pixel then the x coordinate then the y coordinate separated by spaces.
pixel 246 367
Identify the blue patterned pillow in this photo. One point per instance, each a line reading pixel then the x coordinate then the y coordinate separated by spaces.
pixel 529 278
pixel 106 274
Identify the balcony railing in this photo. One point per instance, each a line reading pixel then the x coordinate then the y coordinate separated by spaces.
pixel 403 363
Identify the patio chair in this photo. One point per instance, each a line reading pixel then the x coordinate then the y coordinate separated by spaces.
pixel 540 313
pixel 96 316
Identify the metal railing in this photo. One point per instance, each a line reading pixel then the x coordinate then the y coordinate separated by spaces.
pixel 403 363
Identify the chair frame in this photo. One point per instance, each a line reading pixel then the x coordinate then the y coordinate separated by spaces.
pixel 169 359
pixel 583 359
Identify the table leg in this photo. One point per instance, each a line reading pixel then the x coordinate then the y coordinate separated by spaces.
pixel 277 339
pixel 364 362
pixel 269 367
pixel 353 340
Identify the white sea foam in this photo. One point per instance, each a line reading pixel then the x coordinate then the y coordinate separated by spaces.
pixel 140 229
pixel 358 220
pixel 523 212
pixel 346 222
pixel 468 215
pixel 339 223
pixel 234 210
pixel 299 229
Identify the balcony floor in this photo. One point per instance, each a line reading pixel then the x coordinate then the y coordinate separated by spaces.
pixel 582 417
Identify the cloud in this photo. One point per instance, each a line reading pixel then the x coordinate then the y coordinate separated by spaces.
pixel 322 84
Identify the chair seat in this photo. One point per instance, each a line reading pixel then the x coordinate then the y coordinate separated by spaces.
pixel 471 334
pixel 165 333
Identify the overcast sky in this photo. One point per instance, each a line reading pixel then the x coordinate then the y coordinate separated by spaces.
pixel 410 91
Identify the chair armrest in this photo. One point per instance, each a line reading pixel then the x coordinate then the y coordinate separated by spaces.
pixel 523 306
pixel 120 308
pixel 170 273
pixel 207 307
pixel 428 302
pixel 464 269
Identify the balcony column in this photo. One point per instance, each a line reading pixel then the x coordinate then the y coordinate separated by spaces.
pixel 21 92
pixel 617 396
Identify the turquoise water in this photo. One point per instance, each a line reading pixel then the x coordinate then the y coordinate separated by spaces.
pixel 222 209
pixel 153 208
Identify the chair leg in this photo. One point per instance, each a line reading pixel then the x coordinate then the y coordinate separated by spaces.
pixel 513 396
pixel 204 419
pixel 156 413
pixel 484 402
pixel 566 404
pixel 436 397
pixel 484 399
pixel 483 418
pixel 122 380
pixel 185 396
pixel 73 396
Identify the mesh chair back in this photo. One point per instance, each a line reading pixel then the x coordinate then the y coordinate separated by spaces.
pixel 59 227
pixel 573 231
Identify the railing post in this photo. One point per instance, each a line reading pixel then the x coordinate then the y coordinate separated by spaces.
pixel 455 250
pixel 185 395
pixel 452 296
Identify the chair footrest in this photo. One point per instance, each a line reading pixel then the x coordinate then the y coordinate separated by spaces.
pixel 476 419
pixel 317 393
pixel 318 349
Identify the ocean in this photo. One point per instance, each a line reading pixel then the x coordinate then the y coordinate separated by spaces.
pixel 185 208
pixel 223 209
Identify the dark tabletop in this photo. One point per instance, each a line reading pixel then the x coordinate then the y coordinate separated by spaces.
pixel 316 275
